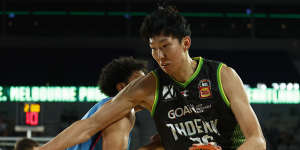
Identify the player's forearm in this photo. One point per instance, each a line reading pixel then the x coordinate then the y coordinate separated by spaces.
pixel 78 132
pixel 254 143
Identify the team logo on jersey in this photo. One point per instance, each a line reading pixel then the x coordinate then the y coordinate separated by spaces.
pixel 204 88
pixel 168 93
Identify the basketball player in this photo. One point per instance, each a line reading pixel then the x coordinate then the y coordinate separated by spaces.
pixel 114 77
pixel 193 101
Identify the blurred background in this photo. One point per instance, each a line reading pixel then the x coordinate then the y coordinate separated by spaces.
pixel 63 44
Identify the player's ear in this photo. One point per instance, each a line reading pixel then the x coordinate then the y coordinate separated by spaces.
pixel 186 41
pixel 120 86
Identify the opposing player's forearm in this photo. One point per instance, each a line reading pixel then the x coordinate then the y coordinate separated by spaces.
pixel 82 130
pixel 78 132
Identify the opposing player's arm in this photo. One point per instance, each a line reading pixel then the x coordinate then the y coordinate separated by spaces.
pixel 239 103
pixel 115 137
pixel 80 131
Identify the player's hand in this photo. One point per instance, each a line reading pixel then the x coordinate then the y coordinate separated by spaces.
pixel 205 147
pixel 155 138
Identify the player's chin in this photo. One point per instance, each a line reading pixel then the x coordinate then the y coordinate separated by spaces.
pixel 167 69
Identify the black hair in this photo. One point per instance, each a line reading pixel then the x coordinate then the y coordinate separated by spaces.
pixel 118 70
pixel 167 21
pixel 26 144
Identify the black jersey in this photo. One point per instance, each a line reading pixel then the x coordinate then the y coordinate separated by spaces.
pixel 196 111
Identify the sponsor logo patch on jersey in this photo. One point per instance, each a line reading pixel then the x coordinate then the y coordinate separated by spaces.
pixel 184 93
pixel 204 88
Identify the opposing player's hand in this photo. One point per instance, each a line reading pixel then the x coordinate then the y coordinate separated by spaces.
pixel 155 138
pixel 205 147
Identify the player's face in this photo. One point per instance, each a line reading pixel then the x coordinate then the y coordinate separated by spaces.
pixel 136 75
pixel 167 52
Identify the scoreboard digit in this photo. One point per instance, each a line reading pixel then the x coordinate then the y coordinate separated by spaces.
pixel 32 114
pixel 29 114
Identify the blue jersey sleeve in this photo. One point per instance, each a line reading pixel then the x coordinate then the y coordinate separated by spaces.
pixel 88 144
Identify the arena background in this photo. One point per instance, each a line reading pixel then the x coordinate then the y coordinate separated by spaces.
pixel 63 43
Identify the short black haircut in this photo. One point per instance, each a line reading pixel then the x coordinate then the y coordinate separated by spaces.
pixel 167 21
pixel 26 144
pixel 118 70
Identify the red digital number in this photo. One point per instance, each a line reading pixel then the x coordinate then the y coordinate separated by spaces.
pixel 32 118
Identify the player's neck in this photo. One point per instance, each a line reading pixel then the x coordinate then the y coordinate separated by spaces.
pixel 186 70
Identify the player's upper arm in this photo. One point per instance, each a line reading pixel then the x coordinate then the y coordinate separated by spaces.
pixel 140 89
pixel 239 103
pixel 133 94
pixel 138 92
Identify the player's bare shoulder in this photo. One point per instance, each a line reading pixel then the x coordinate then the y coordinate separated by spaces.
pixel 228 75
pixel 227 72
pixel 232 85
